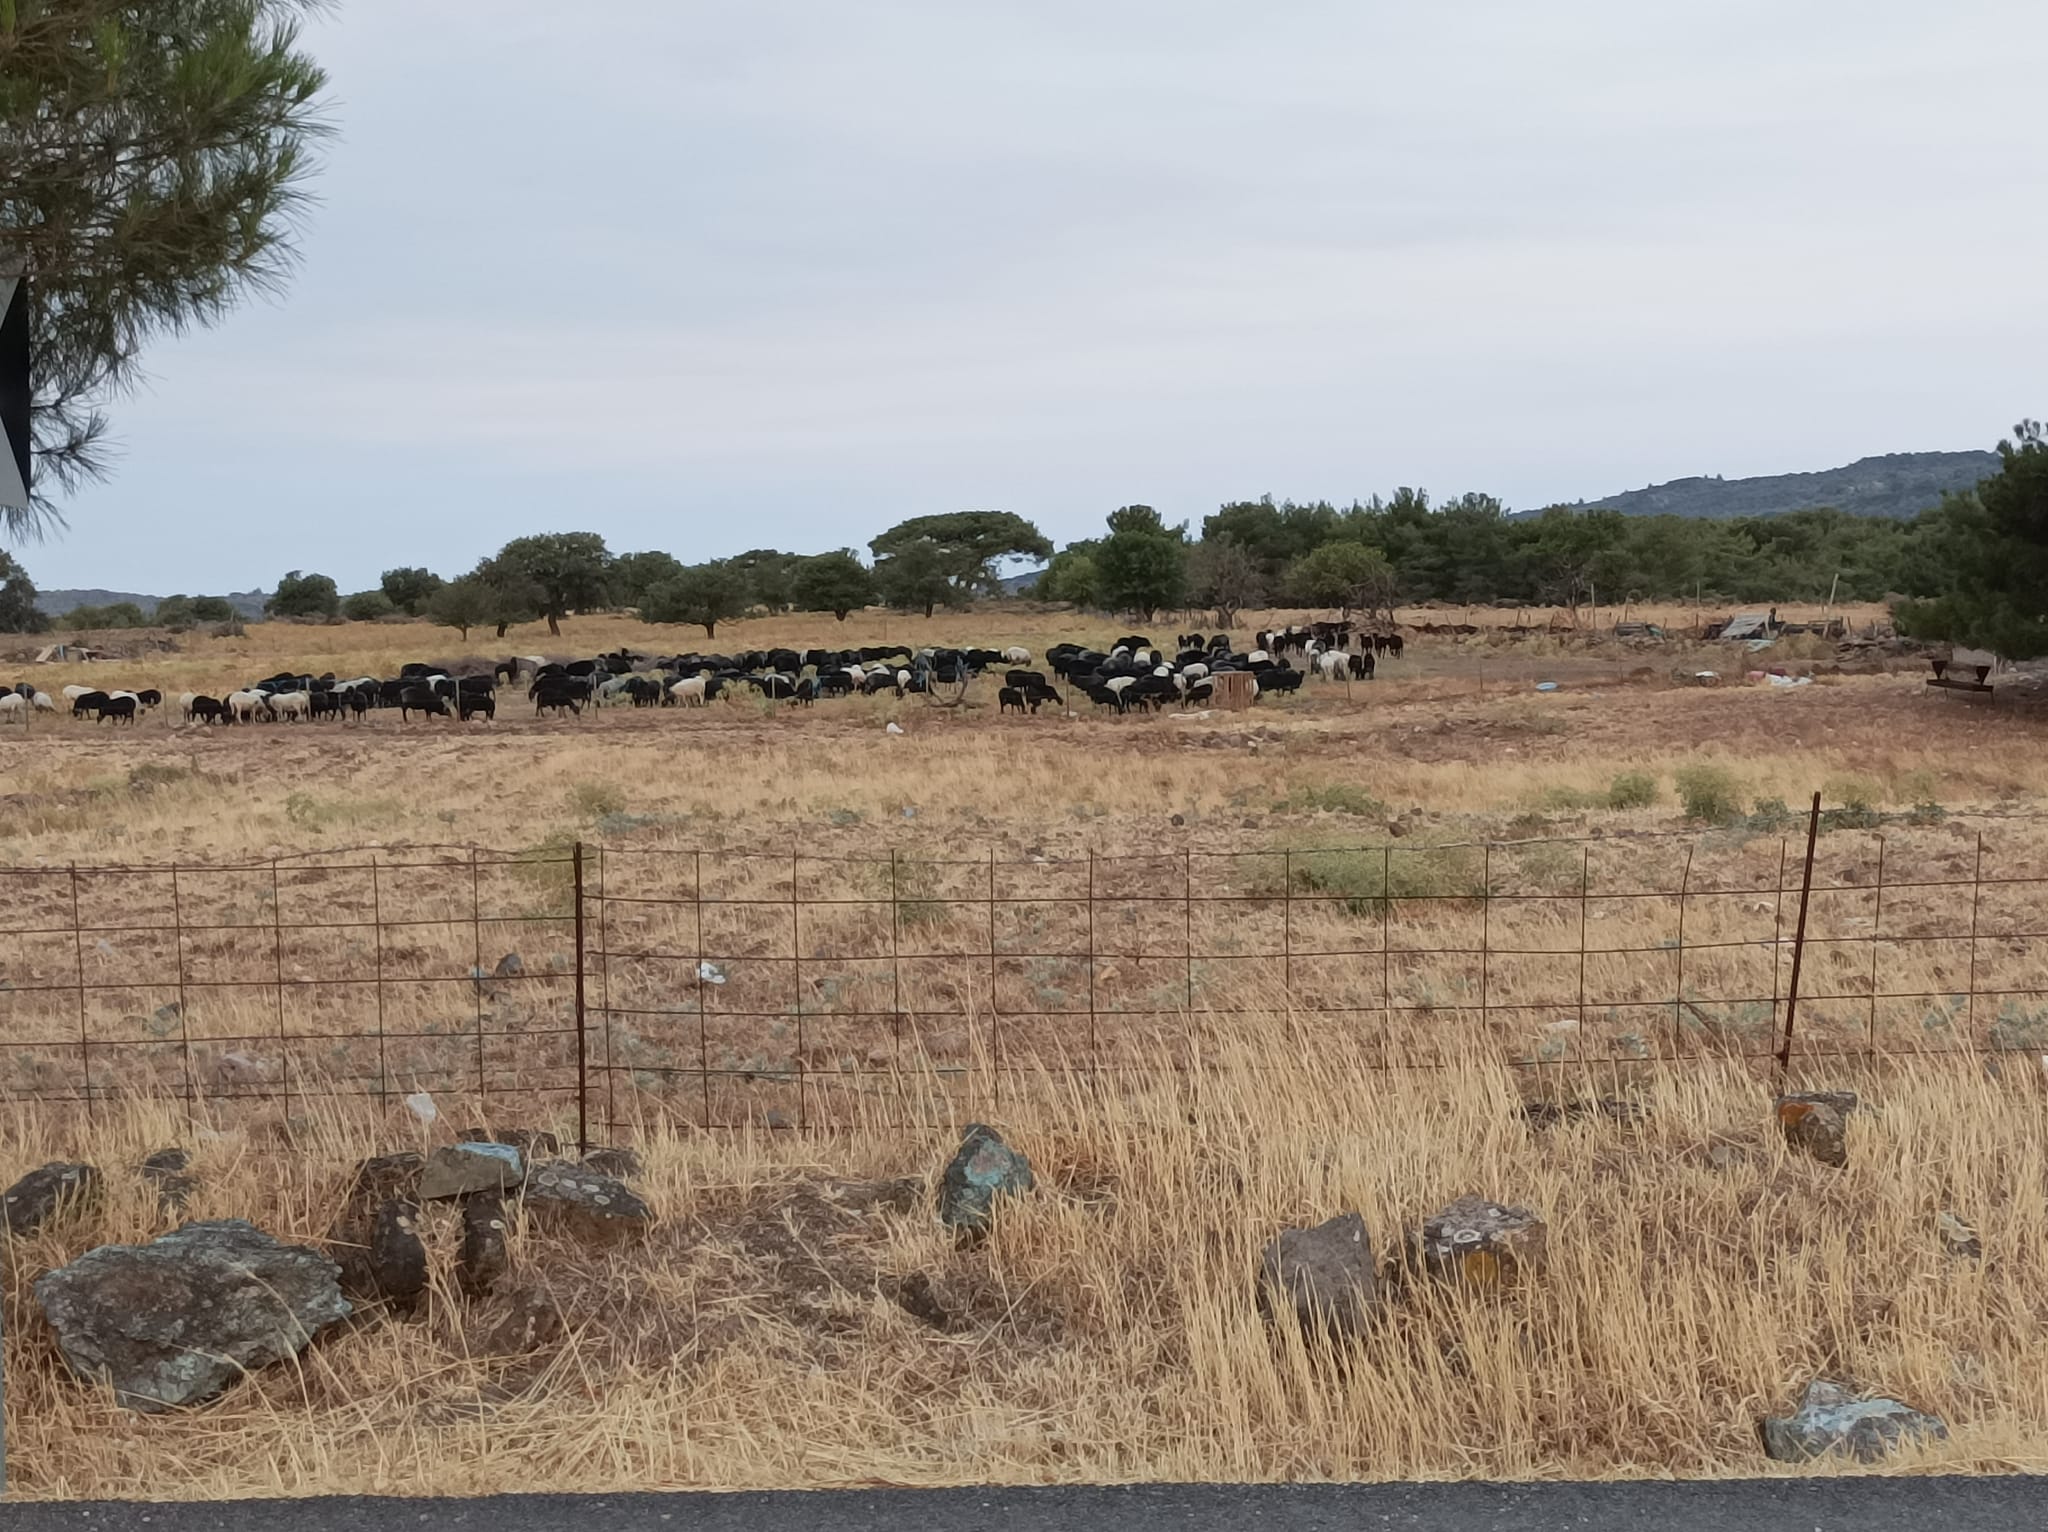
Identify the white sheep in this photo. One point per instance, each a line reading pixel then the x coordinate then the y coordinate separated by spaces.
pixel 689 691
pixel 244 705
pixel 43 703
pixel 291 706
pixel 1331 664
pixel 1017 654
pixel 13 708
pixel 185 701
pixel 74 692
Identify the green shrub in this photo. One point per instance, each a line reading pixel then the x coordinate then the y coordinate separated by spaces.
pixel 594 800
pixel 1708 794
pixel 1632 790
pixel 1332 798
pixel 1771 816
pixel 1362 879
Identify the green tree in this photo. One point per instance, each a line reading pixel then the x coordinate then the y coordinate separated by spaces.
pixel 917 578
pixel 173 612
pixel 1346 575
pixel 1072 576
pixel 367 606
pixel 304 595
pixel 1224 575
pixel 836 582
pixel 1991 548
pixel 1141 566
pixel 568 569
pixel 212 609
pixel 463 604
pixel 155 158
pixel 767 576
pixel 513 596
pixel 703 594
pixel 965 548
pixel 633 575
pixel 409 589
pixel 18 613
pixel 117 614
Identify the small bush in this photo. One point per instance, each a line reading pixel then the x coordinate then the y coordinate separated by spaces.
pixel 594 800
pixel 1859 795
pixel 1708 794
pixel 1771 816
pixel 1332 798
pixel 1632 790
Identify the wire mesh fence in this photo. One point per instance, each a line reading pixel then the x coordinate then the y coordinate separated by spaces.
pixel 609 988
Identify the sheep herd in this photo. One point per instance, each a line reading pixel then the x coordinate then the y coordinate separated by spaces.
pixel 1131 673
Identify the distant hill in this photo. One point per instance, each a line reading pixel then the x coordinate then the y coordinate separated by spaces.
pixel 1899 484
pixel 55 603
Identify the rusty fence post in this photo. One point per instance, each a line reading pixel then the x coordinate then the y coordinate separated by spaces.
pixel 1799 940
pixel 582 1026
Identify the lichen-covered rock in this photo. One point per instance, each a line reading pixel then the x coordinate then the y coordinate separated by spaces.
pixel 1478 1243
pixel 597 1209
pixel 168 1170
pixel 461 1170
pixel 1816 1128
pixel 48 1193
pixel 1324 1274
pixel 534 1143
pixel 385 1176
pixel 397 1255
pixel 1832 1422
pixel 623 1163
pixel 523 1322
pixel 179 1319
pixel 483 1258
pixel 983 1169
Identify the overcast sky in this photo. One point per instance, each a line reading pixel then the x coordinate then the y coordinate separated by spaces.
pixel 712 276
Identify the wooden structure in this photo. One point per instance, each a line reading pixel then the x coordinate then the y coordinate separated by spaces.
pixel 1965 670
pixel 1234 690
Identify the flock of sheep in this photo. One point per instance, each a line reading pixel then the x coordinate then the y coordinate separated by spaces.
pixel 1131 673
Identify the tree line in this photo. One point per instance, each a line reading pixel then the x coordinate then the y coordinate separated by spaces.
pixel 1973 569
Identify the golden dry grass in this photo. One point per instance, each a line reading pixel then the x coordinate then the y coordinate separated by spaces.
pixel 1109 1331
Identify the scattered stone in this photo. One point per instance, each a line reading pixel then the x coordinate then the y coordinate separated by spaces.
pixel 510 966
pixel 167 1170
pixel 528 1320
pixel 398 1256
pixel 596 1208
pixel 384 1176
pixel 1832 1422
pixel 620 1162
pixel 1483 1244
pixel 458 1170
pixel 1958 1238
pixel 1843 1101
pixel 1620 1110
pixel 916 1296
pixel 179 1319
pixel 54 1191
pixel 483 1258
pixel 532 1143
pixel 1815 1128
pixel 1726 1157
pixel 1325 1274
pixel 981 1170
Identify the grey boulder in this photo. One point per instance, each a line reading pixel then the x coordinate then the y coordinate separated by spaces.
pixel 982 1169
pixel 48 1193
pixel 178 1320
pixel 1832 1422
pixel 461 1170
pixel 1324 1274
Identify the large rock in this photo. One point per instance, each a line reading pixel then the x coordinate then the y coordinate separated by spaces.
pixel 1480 1243
pixel 533 1143
pixel 983 1169
pixel 177 1320
pixel 1324 1274
pixel 597 1209
pixel 483 1258
pixel 50 1192
pixel 385 1176
pixel 1832 1422
pixel 169 1171
pixel 1817 1126
pixel 460 1170
pixel 397 1255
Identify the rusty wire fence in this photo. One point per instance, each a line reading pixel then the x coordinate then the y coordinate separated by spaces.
pixel 609 988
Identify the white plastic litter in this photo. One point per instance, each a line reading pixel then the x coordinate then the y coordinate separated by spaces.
pixel 710 973
pixel 422 1106
pixel 895 727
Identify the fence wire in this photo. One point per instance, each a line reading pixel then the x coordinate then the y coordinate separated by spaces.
pixel 623 987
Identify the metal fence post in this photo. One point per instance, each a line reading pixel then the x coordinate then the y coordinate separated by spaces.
pixel 1799 940
pixel 582 1028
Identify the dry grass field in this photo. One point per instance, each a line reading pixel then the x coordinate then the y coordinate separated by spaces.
pixel 1332 867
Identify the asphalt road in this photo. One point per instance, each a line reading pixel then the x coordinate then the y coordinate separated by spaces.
pixel 1814 1505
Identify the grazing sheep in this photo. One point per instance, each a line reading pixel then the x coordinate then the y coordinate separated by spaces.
pixel 1017 654
pixel 421 699
pixel 185 701
pixel 244 705
pixel 689 692
pixel 210 710
pixel 482 705
pixel 14 709
pixel 291 707
pixel 118 709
